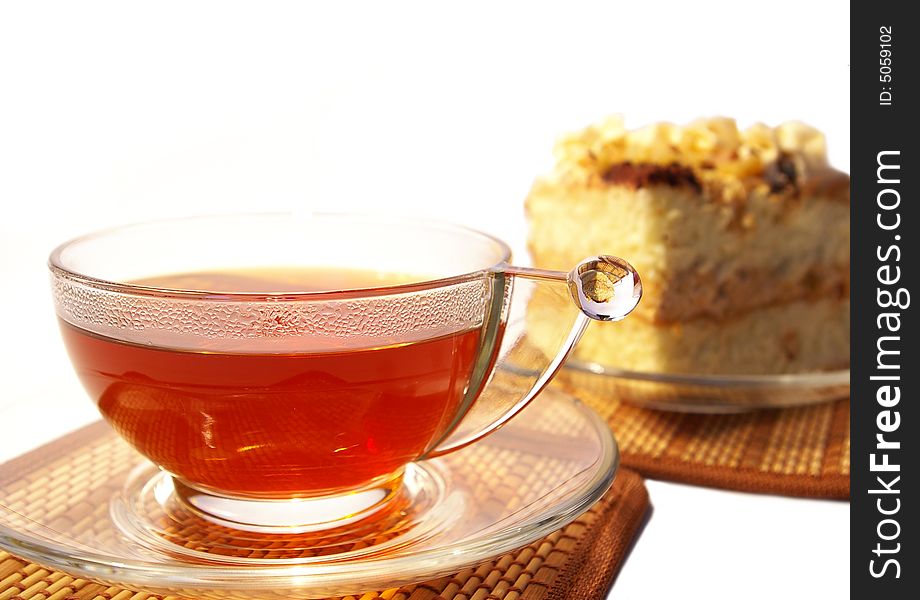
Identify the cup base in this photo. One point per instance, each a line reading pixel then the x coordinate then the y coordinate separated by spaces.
pixel 295 515
pixel 167 515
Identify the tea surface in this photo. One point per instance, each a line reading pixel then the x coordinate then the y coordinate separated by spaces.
pixel 279 280
pixel 277 424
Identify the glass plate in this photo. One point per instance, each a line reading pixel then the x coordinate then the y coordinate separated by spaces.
pixel 74 505
pixel 707 393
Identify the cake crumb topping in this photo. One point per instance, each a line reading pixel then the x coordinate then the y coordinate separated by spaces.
pixel 706 151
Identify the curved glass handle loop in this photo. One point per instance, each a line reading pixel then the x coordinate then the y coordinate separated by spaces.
pixel 533 319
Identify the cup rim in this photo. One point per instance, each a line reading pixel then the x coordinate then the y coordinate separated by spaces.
pixel 58 269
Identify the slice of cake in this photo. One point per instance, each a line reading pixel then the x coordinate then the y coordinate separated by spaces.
pixel 741 239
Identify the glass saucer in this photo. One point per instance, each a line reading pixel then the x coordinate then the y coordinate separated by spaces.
pixel 707 393
pixel 89 505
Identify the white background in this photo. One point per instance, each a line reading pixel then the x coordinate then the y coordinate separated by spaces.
pixel 118 112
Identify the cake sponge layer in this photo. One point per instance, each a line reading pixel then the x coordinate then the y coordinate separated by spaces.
pixel 697 257
pixel 787 338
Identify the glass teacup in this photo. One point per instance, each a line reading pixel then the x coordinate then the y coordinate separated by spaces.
pixel 285 370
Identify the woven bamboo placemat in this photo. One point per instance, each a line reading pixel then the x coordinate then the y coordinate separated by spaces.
pixel 66 485
pixel 578 562
pixel 801 451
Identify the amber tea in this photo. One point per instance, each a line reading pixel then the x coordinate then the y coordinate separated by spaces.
pixel 286 423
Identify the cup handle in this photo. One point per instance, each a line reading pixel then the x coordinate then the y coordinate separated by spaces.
pixel 537 319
